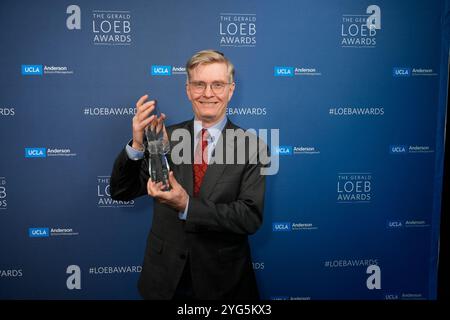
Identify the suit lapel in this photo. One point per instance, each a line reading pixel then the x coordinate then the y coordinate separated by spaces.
pixel 183 172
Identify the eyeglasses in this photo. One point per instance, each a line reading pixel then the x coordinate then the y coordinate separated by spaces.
pixel 216 87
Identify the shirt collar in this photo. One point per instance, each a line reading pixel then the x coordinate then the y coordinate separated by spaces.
pixel 214 131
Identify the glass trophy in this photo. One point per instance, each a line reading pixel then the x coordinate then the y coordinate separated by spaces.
pixel 157 147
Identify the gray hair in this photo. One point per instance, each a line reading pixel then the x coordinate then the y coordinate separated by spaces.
pixel 208 57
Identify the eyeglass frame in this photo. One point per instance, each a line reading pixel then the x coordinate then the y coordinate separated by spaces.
pixel 205 85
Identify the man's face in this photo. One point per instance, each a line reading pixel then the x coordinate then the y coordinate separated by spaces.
pixel 209 105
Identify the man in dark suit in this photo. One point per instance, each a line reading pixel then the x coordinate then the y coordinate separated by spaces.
pixel 198 246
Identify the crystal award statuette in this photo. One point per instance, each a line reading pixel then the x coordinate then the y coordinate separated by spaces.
pixel 157 147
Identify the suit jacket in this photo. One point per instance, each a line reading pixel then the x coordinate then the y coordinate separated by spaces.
pixel 215 234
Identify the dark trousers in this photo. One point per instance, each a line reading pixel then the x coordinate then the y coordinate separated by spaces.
pixel 184 289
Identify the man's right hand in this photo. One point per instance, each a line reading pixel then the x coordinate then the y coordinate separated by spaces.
pixel 141 120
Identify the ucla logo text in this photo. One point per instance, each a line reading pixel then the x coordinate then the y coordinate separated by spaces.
pixel 38 232
pixel 394 224
pixel 284 150
pixel 32 69
pixel 397 149
pixel 281 226
pixel 161 70
pixel 401 72
pixel 35 152
pixel 283 71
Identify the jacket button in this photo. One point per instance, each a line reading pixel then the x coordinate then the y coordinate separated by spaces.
pixel 182 256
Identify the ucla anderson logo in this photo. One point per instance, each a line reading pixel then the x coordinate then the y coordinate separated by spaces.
pixel 408 72
pixel 38 232
pixel 394 224
pixel 397 149
pixel 281 226
pixel 284 150
pixel 284 71
pixel 32 70
pixel 401 72
pixel 161 70
pixel 35 152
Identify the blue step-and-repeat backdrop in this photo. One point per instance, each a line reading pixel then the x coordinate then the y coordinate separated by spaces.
pixel 357 89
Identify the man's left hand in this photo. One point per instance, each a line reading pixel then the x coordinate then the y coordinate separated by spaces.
pixel 176 197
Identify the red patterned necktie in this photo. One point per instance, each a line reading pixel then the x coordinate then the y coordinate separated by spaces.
pixel 200 161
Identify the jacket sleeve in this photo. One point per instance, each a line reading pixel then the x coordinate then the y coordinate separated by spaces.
pixel 129 178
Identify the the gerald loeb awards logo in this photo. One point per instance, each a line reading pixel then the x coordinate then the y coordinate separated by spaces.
pixel 361 30
pixel 237 29
pixel 111 27
pixel 354 187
